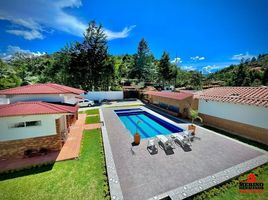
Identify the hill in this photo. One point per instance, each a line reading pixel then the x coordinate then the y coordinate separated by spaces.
pixel 250 72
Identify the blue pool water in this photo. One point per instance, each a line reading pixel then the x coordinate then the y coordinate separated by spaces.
pixel 149 125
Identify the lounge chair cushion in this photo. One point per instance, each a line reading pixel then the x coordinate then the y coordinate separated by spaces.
pixel 162 138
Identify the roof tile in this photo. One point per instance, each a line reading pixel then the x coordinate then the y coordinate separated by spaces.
pixel 34 108
pixel 46 88
pixel 257 96
pixel 171 95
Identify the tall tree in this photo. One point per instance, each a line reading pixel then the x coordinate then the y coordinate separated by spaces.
pixel 196 80
pixel 174 73
pixel 239 76
pixel 265 76
pixel 93 54
pixel 164 69
pixel 8 77
pixel 62 64
pixel 142 62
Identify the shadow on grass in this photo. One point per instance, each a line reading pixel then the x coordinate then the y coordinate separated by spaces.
pixel 26 172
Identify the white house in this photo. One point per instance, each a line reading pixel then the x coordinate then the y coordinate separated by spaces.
pixel 33 126
pixel 48 92
pixel 240 110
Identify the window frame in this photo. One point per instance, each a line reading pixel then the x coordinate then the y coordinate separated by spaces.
pixel 19 124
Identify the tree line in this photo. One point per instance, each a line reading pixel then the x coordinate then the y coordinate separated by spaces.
pixel 250 72
pixel 89 66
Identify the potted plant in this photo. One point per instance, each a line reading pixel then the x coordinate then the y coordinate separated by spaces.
pixel 137 136
pixel 194 116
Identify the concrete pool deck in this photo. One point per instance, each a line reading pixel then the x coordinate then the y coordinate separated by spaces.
pixel 135 174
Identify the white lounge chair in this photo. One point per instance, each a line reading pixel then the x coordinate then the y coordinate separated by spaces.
pixel 165 142
pixel 191 135
pixel 182 138
pixel 152 147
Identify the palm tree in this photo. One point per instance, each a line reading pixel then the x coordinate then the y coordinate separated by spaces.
pixel 194 116
pixel 137 136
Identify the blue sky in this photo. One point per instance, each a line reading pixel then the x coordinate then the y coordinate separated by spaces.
pixel 203 34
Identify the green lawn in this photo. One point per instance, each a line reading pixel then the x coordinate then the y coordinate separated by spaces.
pixel 77 179
pixel 230 190
pixel 93 119
pixel 92 112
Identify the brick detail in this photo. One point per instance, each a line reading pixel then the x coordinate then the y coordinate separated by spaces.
pixel 248 131
pixel 71 119
pixel 16 148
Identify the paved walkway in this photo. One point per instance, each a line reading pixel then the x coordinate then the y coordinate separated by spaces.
pixel 70 149
pixel 92 126
pixel 93 115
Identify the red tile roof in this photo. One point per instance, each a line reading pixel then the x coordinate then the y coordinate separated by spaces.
pixel 170 95
pixel 243 95
pixel 34 108
pixel 46 88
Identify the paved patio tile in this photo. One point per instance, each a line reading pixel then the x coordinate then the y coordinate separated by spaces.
pixel 71 147
pixel 92 126
pixel 93 115
pixel 144 176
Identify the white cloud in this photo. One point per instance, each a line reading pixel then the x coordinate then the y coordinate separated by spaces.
pixel 189 68
pixel 176 60
pixel 211 68
pixel 242 56
pixel 196 58
pixel 27 34
pixel 12 50
pixel 122 34
pixel 31 19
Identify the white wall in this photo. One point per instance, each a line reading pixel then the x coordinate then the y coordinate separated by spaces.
pixel 48 127
pixel 110 95
pixel 62 98
pixel 247 114
pixel 69 98
pixel 37 97
pixel 4 99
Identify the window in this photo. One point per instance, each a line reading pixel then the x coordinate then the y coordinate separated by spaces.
pixel 174 109
pixel 33 123
pixel 25 124
pixel 17 125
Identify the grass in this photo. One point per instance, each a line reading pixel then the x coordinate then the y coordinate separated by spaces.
pixel 230 190
pixel 76 179
pixel 93 119
pixel 90 112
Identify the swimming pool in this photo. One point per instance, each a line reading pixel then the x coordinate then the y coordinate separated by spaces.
pixel 145 123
